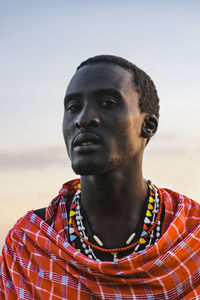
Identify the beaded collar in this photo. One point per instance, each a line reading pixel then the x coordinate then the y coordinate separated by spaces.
pixel 151 229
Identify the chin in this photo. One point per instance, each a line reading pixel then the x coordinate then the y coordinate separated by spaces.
pixel 85 169
pixel 92 167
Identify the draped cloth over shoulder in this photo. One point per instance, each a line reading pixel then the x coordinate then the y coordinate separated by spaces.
pixel 37 262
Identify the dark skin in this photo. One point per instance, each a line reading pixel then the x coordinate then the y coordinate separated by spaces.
pixel 100 100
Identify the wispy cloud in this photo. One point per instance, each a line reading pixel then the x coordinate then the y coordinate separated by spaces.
pixel 160 145
pixel 33 159
pixel 173 144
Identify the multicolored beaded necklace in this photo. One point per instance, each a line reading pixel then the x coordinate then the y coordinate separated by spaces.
pixel 150 233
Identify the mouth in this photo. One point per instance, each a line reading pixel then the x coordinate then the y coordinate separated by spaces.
pixel 86 142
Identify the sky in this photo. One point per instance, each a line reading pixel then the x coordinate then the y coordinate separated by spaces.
pixel 42 43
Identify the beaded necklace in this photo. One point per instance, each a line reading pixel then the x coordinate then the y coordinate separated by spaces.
pixel 150 230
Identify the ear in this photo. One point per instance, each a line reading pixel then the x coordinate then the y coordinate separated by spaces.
pixel 149 126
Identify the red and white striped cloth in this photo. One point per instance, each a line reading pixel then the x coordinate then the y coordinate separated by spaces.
pixel 37 262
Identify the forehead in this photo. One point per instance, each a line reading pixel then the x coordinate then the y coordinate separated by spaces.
pixel 100 76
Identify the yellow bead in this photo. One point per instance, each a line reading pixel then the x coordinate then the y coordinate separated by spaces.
pixel 148 213
pixel 78 250
pixel 150 206
pixel 151 200
pixel 70 220
pixel 142 241
pixel 72 213
pixel 79 185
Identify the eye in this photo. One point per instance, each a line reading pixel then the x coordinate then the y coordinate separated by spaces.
pixel 108 103
pixel 73 107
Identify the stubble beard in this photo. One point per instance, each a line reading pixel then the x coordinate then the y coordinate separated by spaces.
pixel 94 168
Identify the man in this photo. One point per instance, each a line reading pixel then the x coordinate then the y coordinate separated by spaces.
pixel 111 235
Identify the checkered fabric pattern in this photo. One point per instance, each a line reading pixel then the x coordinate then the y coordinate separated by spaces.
pixel 37 262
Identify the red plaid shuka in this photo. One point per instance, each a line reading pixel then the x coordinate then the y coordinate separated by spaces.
pixel 37 261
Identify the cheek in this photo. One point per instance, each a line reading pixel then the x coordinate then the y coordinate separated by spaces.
pixel 66 134
pixel 129 133
pixel 66 125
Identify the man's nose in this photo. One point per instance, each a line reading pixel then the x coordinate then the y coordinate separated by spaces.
pixel 87 117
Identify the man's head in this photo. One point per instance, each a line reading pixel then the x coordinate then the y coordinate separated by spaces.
pixel 108 120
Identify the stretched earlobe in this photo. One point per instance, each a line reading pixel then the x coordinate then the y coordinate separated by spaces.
pixel 149 126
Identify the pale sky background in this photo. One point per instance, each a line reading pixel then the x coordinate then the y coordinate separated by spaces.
pixel 42 42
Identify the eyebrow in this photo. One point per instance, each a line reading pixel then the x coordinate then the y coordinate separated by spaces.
pixel 98 93
pixel 68 97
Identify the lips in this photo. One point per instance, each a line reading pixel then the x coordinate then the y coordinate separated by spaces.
pixel 85 142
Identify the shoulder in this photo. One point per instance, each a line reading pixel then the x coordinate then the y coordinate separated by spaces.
pixel 67 191
pixel 177 198
pixel 180 207
pixel 40 212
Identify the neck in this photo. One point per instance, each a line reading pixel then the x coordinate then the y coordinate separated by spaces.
pixel 114 201
pixel 112 191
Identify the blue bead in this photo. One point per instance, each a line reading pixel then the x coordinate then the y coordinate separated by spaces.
pixel 73 237
pixel 143 233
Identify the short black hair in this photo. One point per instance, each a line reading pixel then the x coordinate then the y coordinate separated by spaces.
pixel 142 83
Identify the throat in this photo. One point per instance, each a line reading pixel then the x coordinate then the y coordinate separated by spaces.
pixel 113 199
